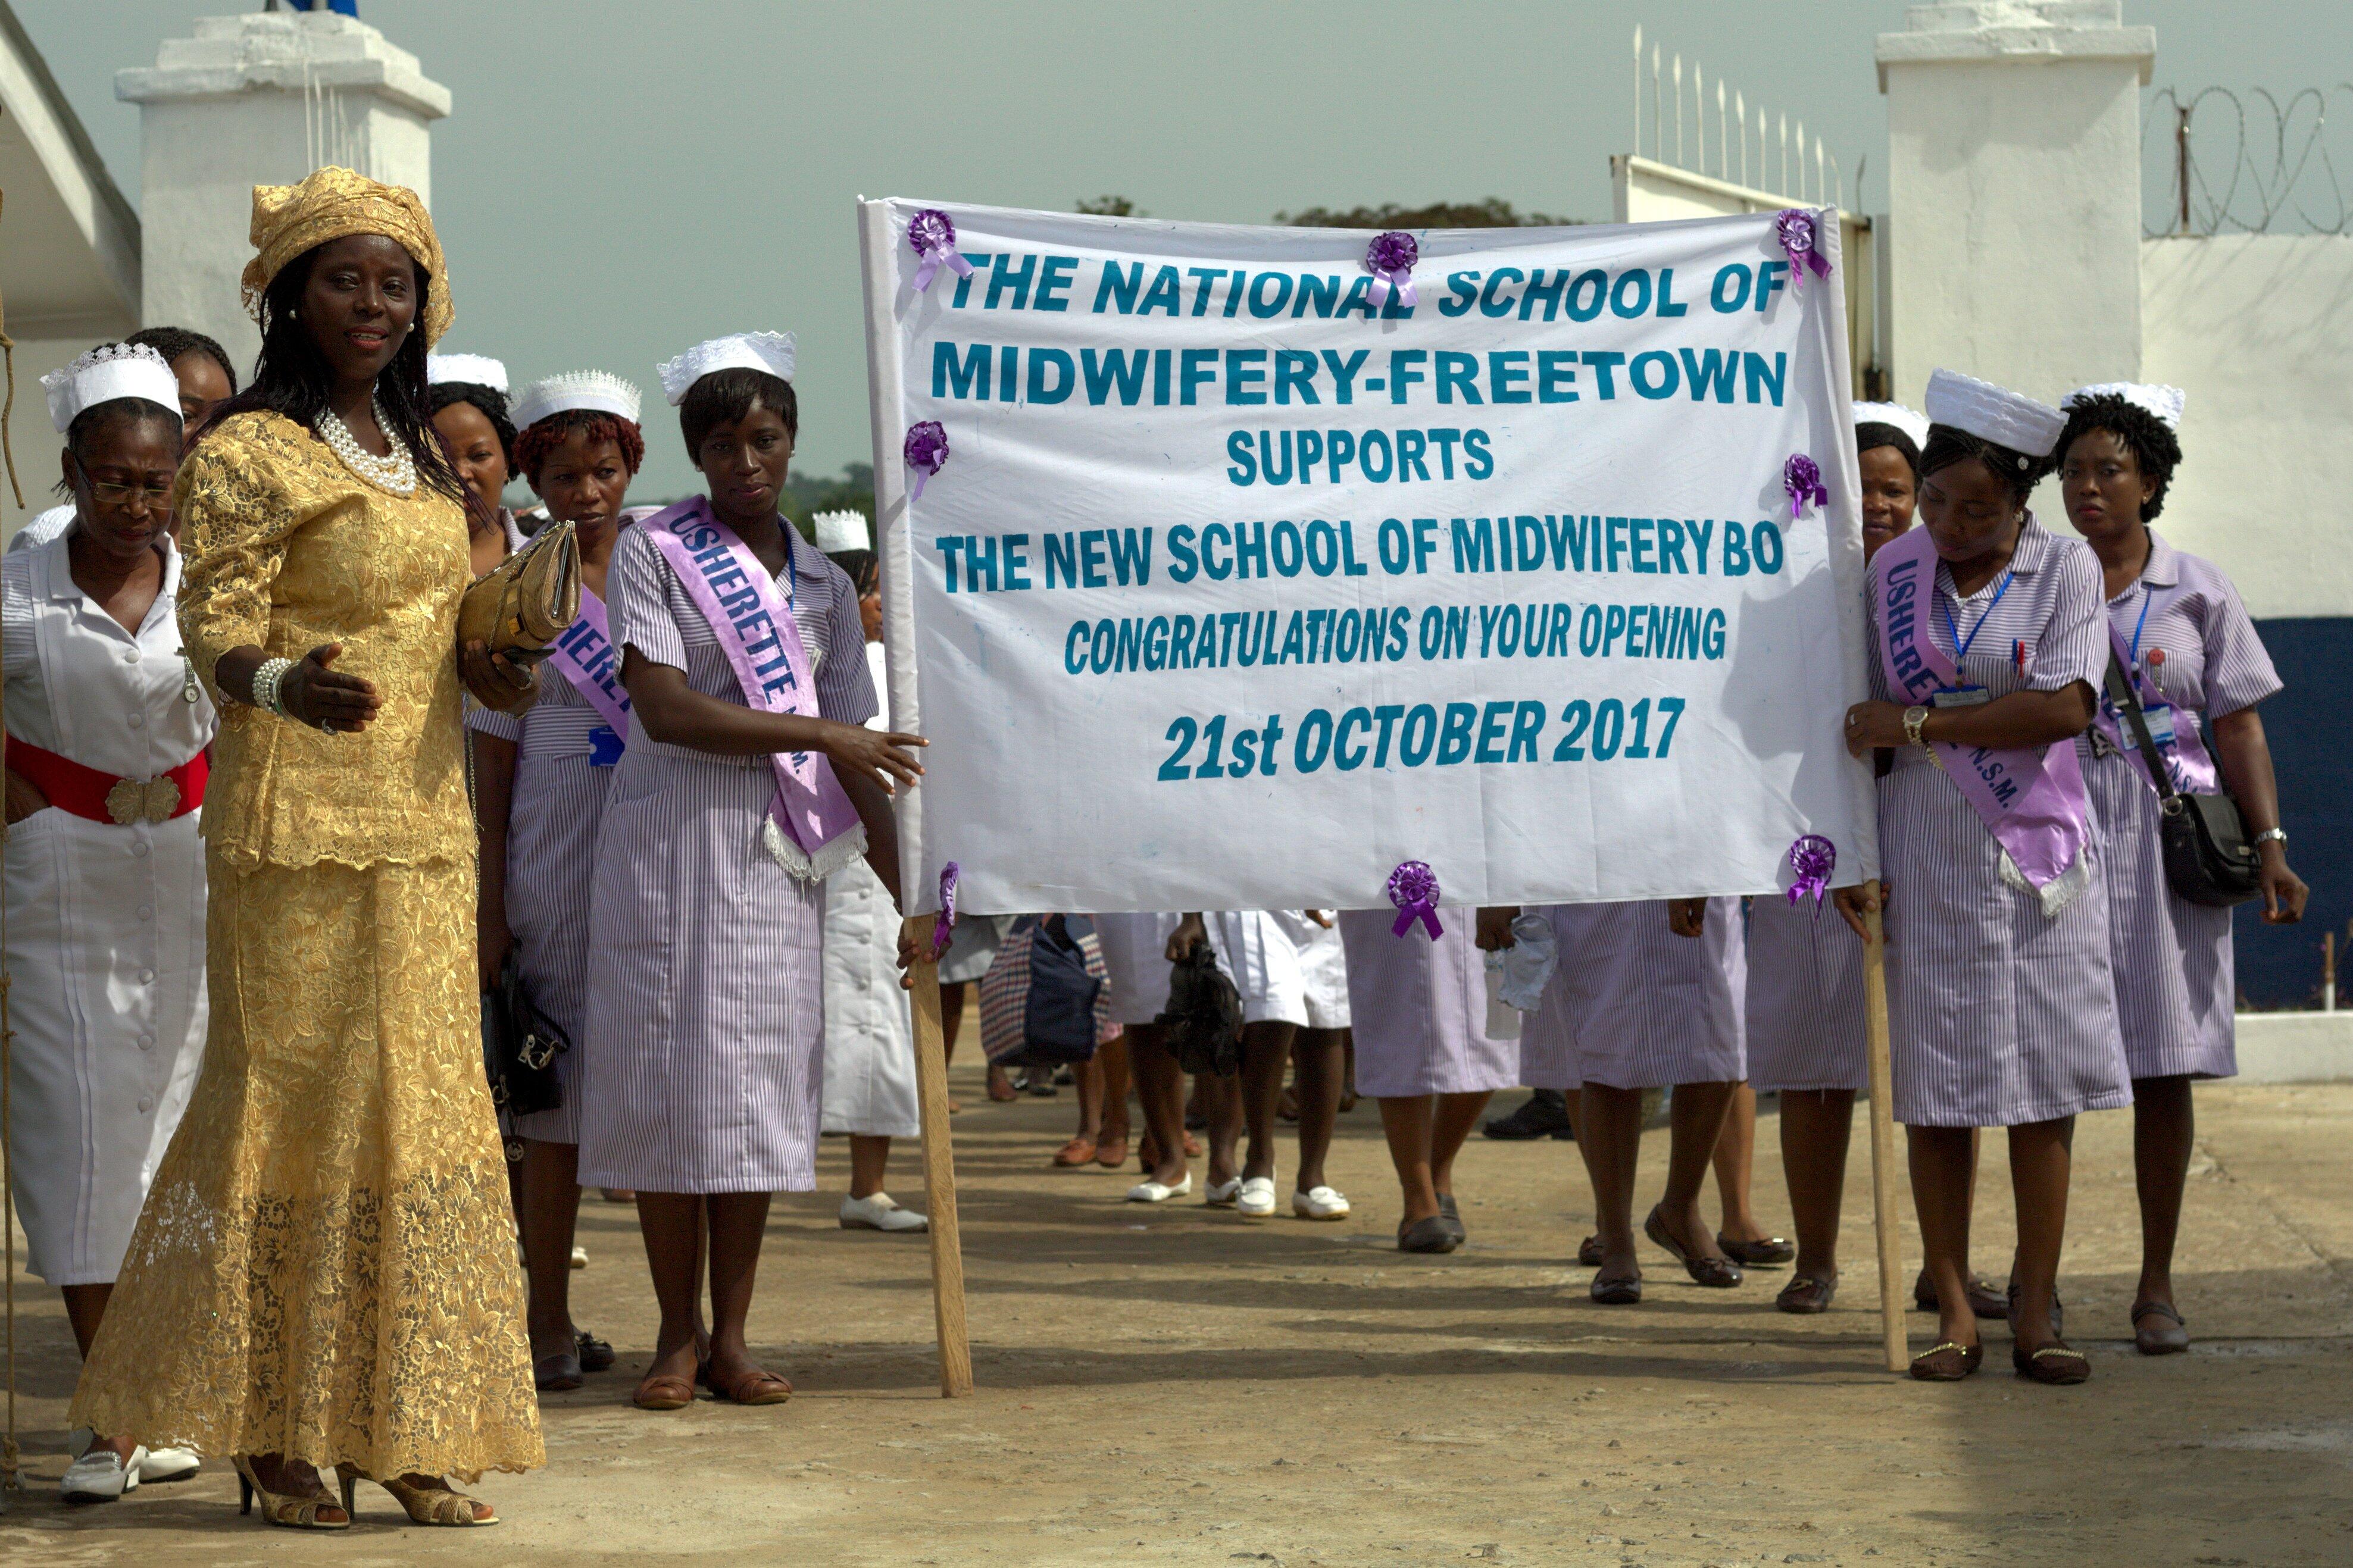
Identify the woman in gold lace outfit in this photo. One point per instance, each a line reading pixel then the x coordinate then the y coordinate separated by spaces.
pixel 324 1274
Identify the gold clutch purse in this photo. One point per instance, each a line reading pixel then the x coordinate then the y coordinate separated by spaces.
pixel 518 606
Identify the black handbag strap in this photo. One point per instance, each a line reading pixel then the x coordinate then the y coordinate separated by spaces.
pixel 2121 692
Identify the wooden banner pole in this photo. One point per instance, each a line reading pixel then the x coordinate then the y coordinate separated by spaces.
pixel 1883 1134
pixel 939 1169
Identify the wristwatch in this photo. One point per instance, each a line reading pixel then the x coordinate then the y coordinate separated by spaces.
pixel 1913 719
pixel 2270 834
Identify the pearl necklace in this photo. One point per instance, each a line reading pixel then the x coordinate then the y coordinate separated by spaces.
pixel 396 472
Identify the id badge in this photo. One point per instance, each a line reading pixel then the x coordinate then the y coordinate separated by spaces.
pixel 603 747
pixel 2159 719
pixel 1961 696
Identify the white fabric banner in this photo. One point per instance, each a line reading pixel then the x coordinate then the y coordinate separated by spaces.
pixel 1236 589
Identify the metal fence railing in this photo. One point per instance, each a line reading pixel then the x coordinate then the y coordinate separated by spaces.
pixel 1730 139
pixel 2217 162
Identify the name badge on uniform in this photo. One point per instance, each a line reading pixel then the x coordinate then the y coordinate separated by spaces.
pixel 2158 716
pixel 603 747
pixel 1961 696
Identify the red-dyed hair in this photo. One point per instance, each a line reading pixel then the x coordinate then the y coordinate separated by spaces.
pixel 536 445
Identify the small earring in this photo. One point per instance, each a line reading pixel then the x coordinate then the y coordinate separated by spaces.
pixel 293 315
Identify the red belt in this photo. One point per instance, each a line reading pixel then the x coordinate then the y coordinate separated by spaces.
pixel 107 797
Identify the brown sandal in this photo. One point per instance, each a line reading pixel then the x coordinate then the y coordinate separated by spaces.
pixel 1076 1153
pixel 1111 1153
pixel 754 1385
pixel 667 1391
pixel 1947 1362
pixel 2066 1367
pixel 1807 1293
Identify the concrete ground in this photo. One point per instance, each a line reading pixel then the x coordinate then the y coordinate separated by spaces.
pixel 1175 1386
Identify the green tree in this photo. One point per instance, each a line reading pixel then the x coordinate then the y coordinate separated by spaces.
pixel 1492 213
pixel 1109 206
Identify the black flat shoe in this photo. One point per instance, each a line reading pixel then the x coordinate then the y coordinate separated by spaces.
pixel 1431 1235
pixel 2170 1338
pixel 1985 1301
pixel 595 1354
pixel 1453 1218
pixel 1624 1291
pixel 1770 1249
pixel 1807 1294
pixel 1716 1273
pixel 1545 1115
pixel 1588 1252
pixel 557 1373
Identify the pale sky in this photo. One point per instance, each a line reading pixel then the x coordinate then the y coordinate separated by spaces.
pixel 618 179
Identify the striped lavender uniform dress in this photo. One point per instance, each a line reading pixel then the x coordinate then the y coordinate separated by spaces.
pixel 1640 1008
pixel 1804 999
pixel 2000 1014
pixel 1419 1008
pixel 2175 982
pixel 558 802
pixel 707 1000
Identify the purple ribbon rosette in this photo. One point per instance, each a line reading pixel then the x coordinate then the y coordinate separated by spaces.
pixel 944 929
pixel 1390 259
pixel 1796 227
pixel 931 235
pixel 1413 890
pixel 1813 858
pixel 1802 478
pixel 926 452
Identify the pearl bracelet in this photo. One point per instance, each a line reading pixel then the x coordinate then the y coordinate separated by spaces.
pixel 267 681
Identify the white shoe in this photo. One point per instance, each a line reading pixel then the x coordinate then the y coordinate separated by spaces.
pixel 163 1465
pixel 879 1213
pixel 1150 1192
pixel 1322 1203
pixel 101 1476
pixel 1221 1195
pixel 1257 1200
pixel 579 1255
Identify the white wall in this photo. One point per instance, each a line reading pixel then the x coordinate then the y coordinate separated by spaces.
pixel 254 99
pixel 2013 140
pixel 2258 329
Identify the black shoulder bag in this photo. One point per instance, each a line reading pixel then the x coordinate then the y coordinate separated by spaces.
pixel 2208 859
pixel 522 1044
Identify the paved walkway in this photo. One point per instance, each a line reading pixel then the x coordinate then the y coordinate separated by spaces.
pixel 1175 1386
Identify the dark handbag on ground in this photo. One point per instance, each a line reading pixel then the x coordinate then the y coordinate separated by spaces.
pixel 1204 1017
pixel 2208 859
pixel 520 1044
pixel 1038 999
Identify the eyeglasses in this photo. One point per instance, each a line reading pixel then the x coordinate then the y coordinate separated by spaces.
pixel 112 494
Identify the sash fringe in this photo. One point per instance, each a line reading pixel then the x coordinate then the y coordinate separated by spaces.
pixel 833 856
pixel 2060 891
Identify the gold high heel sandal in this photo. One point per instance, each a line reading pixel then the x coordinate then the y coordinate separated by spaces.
pixel 423 1505
pixel 285 1509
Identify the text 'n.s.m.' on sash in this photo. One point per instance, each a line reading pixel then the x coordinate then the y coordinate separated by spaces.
pixel 813 830
pixel 2033 802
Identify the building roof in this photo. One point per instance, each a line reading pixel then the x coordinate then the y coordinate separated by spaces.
pixel 70 244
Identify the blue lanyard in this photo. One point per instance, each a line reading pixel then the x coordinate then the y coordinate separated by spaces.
pixel 2145 597
pixel 1961 643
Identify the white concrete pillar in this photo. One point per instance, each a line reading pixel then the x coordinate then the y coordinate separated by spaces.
pixel 261 100
pixel 2013 130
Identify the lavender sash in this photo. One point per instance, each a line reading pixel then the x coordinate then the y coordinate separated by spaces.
pixel 583 651
pixel 812 830
pixel 2193 770
pixel 2034 806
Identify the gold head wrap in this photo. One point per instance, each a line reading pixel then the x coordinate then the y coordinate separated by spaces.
pixel 332 203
